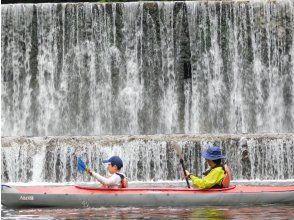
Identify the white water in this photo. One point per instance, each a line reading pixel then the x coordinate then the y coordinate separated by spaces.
pixel 92 69
pixel 146 158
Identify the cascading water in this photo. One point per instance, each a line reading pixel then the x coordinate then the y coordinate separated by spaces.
pixel 146 158
pixel 147 68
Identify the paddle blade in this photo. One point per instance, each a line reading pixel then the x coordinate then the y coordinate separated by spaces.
pixel 178 150
pixel 180 155
pixel 81 165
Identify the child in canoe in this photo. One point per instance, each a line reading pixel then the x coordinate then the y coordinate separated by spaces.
pixel 218 176
pixel 116 179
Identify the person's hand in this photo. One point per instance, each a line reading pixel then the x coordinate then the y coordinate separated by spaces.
pixel 187 173
pixel 88 170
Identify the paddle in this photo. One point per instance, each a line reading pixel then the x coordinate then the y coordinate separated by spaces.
pixel 81 165
pixel 179 153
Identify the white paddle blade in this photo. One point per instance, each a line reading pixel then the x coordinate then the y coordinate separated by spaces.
pixel 178 149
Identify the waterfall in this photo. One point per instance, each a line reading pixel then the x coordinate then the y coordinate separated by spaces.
pixel 145 157
pixel 147 68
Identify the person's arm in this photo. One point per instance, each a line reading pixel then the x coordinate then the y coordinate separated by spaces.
pixel 208 181
pixel 113 180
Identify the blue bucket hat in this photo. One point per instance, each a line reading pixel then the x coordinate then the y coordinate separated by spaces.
pixel 114 160
pixel 213 153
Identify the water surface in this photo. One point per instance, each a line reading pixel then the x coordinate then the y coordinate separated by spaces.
pixel 224 212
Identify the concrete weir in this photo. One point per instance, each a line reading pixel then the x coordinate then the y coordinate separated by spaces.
pixel 147 68
pixel 146 157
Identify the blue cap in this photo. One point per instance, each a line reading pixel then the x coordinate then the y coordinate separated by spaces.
pixel 213 153
pixel 114 160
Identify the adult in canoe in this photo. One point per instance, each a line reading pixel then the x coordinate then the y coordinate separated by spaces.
pixel 218 175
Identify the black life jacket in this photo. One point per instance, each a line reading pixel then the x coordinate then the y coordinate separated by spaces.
pixel 124 180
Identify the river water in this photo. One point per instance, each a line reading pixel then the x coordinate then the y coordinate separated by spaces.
pixel 219 212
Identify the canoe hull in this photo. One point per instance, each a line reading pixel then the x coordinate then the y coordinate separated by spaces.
pixel 83 198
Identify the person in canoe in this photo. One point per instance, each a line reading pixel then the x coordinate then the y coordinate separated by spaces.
pixel 217 176
pixel 116 179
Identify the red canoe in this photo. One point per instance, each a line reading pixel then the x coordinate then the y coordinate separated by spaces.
pixel 85 196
